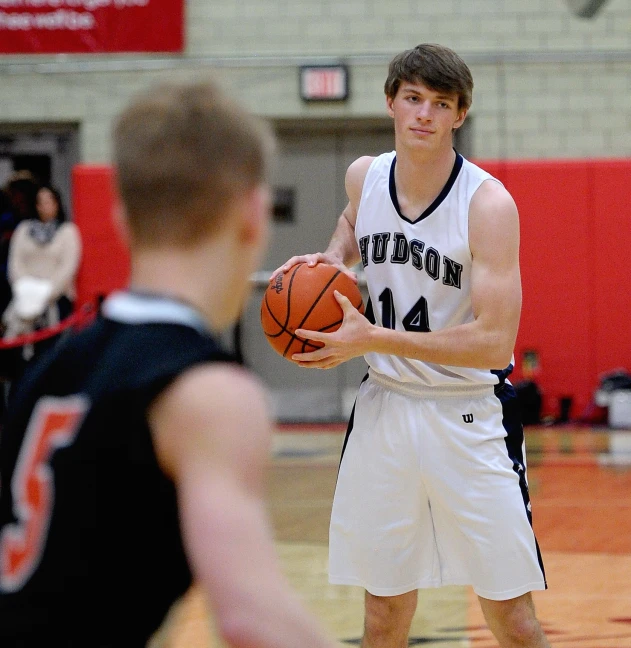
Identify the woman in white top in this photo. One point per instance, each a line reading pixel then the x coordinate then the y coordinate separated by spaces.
pixel 44 256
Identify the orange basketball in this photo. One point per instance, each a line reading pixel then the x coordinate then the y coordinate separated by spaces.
pixel 303 298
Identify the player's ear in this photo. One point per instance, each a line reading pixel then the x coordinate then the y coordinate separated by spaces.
pixel 256 214
pixel 462 114
pixel 389 106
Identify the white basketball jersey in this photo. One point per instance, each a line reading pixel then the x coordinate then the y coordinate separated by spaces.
pixel 419 271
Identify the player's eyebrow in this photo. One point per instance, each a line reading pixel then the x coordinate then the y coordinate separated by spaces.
pixel 412 90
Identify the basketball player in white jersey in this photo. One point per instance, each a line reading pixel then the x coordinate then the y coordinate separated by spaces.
pixel 432 485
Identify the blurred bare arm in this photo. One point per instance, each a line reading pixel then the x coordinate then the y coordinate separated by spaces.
pixel 216 450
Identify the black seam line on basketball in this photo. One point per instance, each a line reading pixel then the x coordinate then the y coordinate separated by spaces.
pixel 304 319
pixel 305 344
pixel 328 326
pixel 291 281
pixel 283 327
pixel 284 330
pixel 269 310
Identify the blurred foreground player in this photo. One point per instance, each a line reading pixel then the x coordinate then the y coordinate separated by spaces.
pixel 136 448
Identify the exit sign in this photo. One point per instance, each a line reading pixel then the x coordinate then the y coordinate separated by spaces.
pixel 324 82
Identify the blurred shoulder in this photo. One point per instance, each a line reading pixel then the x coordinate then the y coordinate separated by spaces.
pixel 211 410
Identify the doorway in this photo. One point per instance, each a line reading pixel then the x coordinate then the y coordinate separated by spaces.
pixel 47 150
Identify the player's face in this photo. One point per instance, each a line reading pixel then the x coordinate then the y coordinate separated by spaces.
pixel 424 118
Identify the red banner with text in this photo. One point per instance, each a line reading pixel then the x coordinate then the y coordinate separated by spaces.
pixel 91 26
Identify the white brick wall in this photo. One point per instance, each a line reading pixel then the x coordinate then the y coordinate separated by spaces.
pixel 568 107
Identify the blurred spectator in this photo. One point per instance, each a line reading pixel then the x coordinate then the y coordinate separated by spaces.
pixel 44 255
pixel 7 225
pixel 17 203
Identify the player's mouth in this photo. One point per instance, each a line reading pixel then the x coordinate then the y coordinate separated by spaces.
pixel 422 131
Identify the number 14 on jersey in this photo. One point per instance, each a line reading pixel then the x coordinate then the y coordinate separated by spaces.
pixel 417 319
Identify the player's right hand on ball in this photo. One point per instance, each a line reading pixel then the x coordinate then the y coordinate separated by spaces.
pixel 312 260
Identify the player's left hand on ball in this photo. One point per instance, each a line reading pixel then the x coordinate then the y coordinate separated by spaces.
pixel 349 341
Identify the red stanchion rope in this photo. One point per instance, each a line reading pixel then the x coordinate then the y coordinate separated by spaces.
pixel 79 317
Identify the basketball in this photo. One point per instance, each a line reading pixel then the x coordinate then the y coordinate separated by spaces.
pixel 303 298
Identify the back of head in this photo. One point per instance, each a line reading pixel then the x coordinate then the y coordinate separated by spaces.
pixel 184 153
pixel 437 67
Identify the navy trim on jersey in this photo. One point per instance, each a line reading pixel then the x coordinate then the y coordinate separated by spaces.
pixel 502 375
pixel 511 420
pixel 439 199
pixel 351 422
pixel 369 313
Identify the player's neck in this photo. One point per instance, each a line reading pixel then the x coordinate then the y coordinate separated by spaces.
pixel 421 176
pixel 197 276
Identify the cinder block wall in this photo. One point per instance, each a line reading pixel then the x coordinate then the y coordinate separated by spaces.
pixel 548 84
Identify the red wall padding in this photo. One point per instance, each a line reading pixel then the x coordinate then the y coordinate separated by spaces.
pixel 575 229
pixel 105 259
pixel 575 248
pixel 609 264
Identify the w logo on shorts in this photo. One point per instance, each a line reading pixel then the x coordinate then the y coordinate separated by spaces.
pixel 467 418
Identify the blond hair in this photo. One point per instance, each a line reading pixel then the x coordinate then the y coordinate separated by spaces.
pixel 183 153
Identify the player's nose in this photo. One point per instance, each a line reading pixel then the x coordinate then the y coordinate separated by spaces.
pixel 424 111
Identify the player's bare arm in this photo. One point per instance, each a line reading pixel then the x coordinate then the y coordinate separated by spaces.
pixel 217 451
pixel 486 342
pixel 342 251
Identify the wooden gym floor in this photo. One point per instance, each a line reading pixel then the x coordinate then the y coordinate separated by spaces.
pixel 580 492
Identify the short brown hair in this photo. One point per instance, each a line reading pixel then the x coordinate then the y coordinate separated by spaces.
pixel 183 153
pixel 437 67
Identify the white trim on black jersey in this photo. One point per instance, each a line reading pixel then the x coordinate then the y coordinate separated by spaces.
pixel 138 308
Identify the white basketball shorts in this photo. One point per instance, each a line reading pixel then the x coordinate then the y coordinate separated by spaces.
pixel 432 491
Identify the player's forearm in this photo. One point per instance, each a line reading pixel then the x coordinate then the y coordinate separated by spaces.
pixel 467 345
pixel 343 244
pixel 237 565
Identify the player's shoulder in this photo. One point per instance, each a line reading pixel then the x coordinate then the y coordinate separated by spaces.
pixel 358 168
pixel 492 212
pixel 491 206
pixel 361 164
pixel 220 391
pixel 491 195
pixel 206 407
pixel 356 176
pixel 217 385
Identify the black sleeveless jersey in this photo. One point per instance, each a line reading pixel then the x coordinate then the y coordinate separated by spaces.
pixel 90 548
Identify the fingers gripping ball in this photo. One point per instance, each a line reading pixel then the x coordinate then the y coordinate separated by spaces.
pixel 304 298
